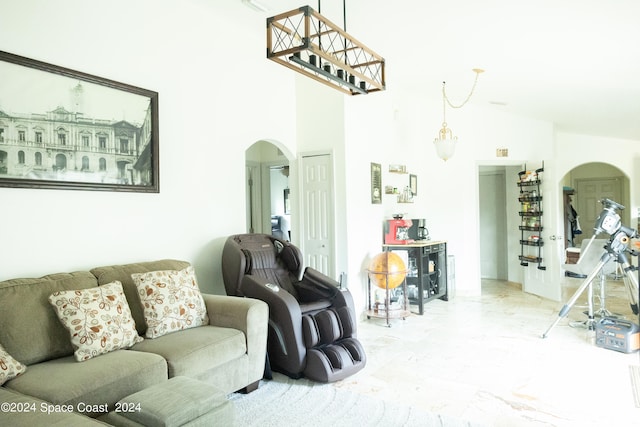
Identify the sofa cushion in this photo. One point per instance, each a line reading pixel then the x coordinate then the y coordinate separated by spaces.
pixel 180 401
pixel 31 331
pixel 193 351
pixel 171 301
pixel 9 367
pixel 98 381
pixel 36 412
pixel 98 319
pixel 122 273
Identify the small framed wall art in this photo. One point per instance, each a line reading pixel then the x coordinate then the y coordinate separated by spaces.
pixel 413 184
pixel 376 183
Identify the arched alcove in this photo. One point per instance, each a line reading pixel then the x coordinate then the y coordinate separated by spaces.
pixel 582 188
pixel 270 188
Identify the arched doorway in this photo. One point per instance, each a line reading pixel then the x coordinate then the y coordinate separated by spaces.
pixel 61 162
pixel 269 189
pixel 125 172
pixel 583 187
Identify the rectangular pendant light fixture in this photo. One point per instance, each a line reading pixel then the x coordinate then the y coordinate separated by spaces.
pixel 310 44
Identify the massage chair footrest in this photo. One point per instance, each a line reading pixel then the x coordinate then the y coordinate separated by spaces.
pixel 335 361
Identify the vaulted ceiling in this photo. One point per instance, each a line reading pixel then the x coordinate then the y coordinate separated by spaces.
pixel 575 63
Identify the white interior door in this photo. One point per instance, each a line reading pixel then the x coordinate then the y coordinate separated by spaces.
pixel 546 282
pixel 317 214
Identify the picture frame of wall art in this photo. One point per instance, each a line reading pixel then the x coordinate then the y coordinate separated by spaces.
pixel 376 183
pixel 66 129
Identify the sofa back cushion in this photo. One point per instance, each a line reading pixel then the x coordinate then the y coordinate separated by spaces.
pixel 122 273
pixel 29 328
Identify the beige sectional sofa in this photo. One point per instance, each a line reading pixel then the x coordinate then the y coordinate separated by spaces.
pixel 228 352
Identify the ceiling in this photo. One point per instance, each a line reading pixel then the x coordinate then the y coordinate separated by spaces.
pixel 575 63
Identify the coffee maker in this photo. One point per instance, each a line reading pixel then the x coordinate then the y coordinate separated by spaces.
pixel 422 232
pixel 418 230
pixel 396 231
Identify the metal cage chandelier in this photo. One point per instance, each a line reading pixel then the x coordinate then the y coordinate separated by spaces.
pixel 307 42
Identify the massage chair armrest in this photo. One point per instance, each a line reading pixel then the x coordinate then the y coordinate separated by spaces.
pixel 320 286
pixel 324 287
pixel 315 285
pixel 275 296
pixel 285 315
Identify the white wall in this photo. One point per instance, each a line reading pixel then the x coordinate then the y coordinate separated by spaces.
pixel 219 95
pixel 320 130
pixel 400 128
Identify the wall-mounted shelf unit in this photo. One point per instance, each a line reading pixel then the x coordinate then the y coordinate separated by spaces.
pixel 530 199
pixel 404 191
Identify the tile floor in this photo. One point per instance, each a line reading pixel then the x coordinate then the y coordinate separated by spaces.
pixel 483 359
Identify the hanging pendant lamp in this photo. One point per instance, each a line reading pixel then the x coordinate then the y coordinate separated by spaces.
pixel 445 142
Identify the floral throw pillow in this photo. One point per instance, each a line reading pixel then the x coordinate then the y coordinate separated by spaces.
pixel 9 367
pixel 98 319
pixel 171 301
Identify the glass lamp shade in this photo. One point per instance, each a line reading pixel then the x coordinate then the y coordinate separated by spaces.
pixel 445 147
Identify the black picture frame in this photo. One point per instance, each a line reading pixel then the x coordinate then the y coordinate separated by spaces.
pixel 65 129
pixel 376 183
pixel 413 184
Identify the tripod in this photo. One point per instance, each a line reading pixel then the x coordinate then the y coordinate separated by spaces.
pixel 589 258
pixel 614 250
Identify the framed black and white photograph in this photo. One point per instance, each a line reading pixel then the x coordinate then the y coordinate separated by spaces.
pixel 413 184
pixel 66 129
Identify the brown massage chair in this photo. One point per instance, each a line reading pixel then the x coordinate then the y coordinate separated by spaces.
pixel 312 324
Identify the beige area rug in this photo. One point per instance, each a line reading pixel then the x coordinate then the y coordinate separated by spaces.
pixel 635 383
pixel 286 402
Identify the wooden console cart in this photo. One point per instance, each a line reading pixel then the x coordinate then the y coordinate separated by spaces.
pixel 427 271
